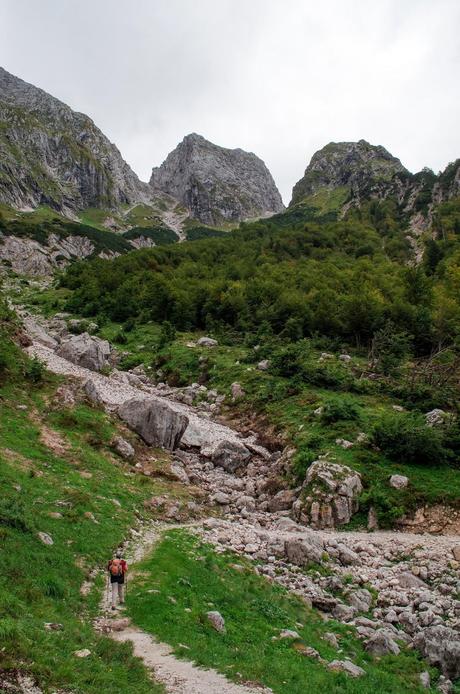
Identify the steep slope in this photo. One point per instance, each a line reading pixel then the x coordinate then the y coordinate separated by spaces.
pixel 50 154
pixel 218 185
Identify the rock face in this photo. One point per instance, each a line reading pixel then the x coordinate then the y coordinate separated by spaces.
pixel 329 495
pixel 354 165
pixel 157 423
pixel 51 155
pixel 87 351
pixel 217 185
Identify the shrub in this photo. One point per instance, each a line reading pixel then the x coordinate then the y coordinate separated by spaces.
pixel 289 361
pixel 34 371
pixel 405 437
pixel 340 409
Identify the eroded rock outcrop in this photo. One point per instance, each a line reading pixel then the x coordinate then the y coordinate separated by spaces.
pixel 329 496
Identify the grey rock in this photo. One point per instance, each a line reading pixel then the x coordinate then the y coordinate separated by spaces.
pixel 155 421
pixel 207 342
pixel 282 501
pixel 45 538
pixel 217 185
pixel 399 481
pixel 304 550
pixel 93 391
pixel 289 634
pixel 331 638
pixel 263 365
pixel 346 164
pixel 330 494
pixel 440 645
pixel 346 666
pixel 435 417
pixel 408 580
pixel 217 621
pixel 361 599
pixel 343 613
pixel 380 643
pixel 85 350
pixel 123 447
pixel 237 391
pixel 425 679
pixel 230 455
pixel 178 472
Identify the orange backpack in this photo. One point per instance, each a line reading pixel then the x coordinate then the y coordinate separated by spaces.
pixel 116 568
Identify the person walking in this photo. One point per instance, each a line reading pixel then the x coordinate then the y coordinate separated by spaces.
pixel 117 568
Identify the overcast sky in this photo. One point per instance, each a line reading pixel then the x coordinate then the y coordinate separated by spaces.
pixel 280 78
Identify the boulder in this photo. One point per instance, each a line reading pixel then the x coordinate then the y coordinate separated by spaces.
pixel 436 417
pixel 381 643
pixel 207 342
pixel 230 455
pixel 456 552
pixel 304 550
pixel 123 448
pixel 93 391
pixel 156 422
pixel 217 621
pixel 178 472
pixel 84 350
pixel 346 666
pixel 440 645
pixel 289 634
pixel 263 365
pixel 361 599
pixel 329 495
pixel 399 481
pixel 344 357
pixel 83 653
pixel 45 538
pixel 282 501
pixel 237 391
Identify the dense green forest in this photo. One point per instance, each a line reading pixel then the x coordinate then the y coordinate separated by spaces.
pixel 344 281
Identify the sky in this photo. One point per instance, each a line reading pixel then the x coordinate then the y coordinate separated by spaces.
pixel 280 78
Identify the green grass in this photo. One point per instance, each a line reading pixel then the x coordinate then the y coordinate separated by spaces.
pixel 255 611
pixel 42 583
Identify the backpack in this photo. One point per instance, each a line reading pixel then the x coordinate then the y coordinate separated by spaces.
pixel 116 568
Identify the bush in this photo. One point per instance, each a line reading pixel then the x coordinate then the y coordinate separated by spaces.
pixel 290 361
pixel 340 409
pixel 406 438
pixel 34 371
pixel 301 462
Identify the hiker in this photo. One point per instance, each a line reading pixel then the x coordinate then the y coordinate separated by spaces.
pixel 117 568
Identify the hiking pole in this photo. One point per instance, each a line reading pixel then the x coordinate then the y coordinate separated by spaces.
pixel 108 589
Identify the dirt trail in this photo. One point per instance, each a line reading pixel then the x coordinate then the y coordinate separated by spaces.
pixel 178 676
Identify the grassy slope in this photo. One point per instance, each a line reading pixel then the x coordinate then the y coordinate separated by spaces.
pixel 41 583
pixel 254 611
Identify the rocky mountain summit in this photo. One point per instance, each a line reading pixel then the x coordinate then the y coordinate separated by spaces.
pixel 344 175
pixel 52 155
pixel 359 166
pixel 218 185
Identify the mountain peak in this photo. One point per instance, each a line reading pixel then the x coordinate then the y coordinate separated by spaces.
pixel 354 165
pixel 218 185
